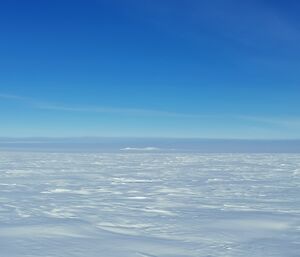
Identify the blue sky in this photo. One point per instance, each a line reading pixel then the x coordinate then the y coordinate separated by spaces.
pixel 160 68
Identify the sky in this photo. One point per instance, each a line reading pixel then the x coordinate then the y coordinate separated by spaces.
pixel 150 68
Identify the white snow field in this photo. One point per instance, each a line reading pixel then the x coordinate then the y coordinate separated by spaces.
pixel 149 204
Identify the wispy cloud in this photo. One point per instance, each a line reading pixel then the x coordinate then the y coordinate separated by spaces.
pixel 141 149
pixel 12 97
pixel 285 122
pixel 96 109
pixel 292 122
pixel 126 111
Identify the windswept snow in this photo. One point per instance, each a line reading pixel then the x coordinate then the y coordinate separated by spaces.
pixel 149 204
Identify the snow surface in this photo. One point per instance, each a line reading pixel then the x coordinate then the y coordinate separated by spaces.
pixel 149 204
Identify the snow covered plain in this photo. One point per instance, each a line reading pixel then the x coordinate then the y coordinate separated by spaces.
pixel 149 204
